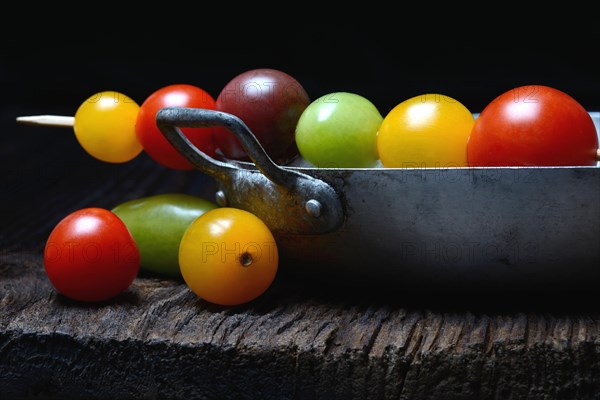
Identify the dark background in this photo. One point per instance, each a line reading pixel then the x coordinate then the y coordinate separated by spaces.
pixel 55 63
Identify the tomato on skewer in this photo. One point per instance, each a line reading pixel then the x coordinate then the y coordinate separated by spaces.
pixel 104 125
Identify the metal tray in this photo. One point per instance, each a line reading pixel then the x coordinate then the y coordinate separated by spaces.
pixel 508 227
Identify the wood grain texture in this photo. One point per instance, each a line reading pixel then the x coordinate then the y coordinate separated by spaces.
pixel 305 338
pixel 159 340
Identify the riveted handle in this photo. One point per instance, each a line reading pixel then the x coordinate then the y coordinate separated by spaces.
pixel 288 200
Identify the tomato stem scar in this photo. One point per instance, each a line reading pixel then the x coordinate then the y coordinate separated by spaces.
pixel 246 259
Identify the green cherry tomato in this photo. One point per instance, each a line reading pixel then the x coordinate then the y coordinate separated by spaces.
pixel 105 127
pixel 157 223
pixel 339 130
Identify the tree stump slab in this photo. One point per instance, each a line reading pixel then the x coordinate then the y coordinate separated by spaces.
pixel 159 340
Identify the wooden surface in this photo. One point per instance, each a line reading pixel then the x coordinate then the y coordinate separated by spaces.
pixel 306 338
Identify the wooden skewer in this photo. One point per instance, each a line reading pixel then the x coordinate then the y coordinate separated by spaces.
pixel 66 121
pixel 48 120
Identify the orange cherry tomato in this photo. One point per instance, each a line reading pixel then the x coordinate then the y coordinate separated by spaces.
pixel 426 131
pixel 105 127
pixel 228 256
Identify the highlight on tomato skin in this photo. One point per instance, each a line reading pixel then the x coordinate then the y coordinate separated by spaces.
pixel 91 256
pixel 228 256
pixel 533 125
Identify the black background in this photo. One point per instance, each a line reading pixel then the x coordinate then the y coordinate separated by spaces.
pixel 53 63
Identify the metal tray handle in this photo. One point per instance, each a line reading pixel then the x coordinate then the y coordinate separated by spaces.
pixel 288 200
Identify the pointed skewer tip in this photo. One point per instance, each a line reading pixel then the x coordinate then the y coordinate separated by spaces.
pixel 47 120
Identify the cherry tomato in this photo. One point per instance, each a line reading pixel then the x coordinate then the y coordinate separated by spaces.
pixel 228 256
pixel 90 255
pixel 339 130
pixel 426 131
pixel 533 125
pixel 157 224
pixel 105 127
pixel 270 102
pixel 152 139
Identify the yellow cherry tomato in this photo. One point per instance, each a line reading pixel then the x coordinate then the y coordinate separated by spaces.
pixel 105 127
pixel 228 256
pixel 426 131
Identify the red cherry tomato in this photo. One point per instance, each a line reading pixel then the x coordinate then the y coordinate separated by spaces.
pixel 90 255
pixel 533 126
pixel 152 139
